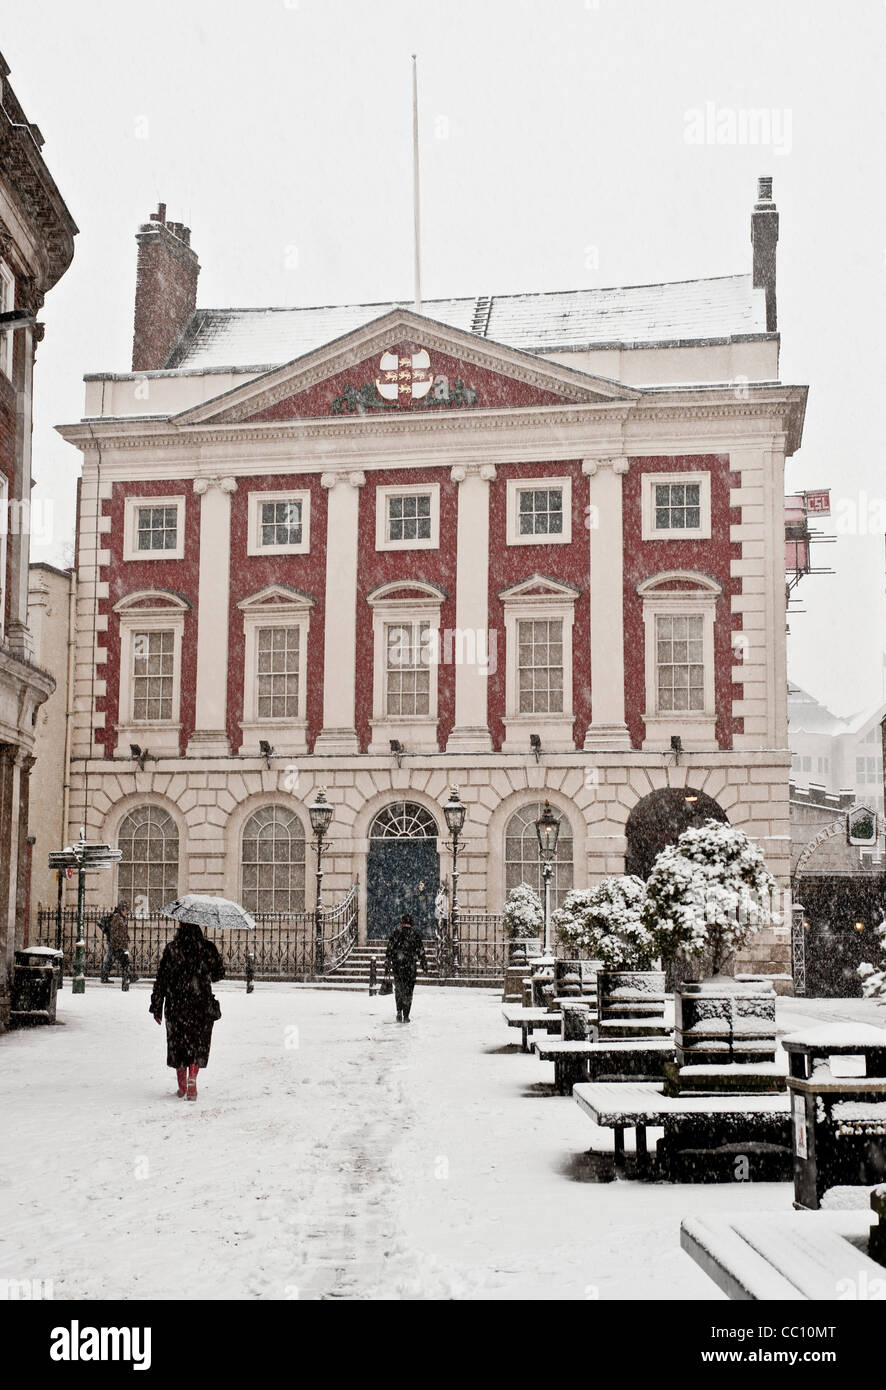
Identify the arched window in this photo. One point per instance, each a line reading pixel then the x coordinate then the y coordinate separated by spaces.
pixel 147 875
pixel 273 861
pixel 522 859
pixel 403 820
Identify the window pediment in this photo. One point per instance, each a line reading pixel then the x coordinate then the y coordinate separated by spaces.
pixel 406 591
pixel 679 582
pixel 276 597
pixel 541 587
pixel 152 601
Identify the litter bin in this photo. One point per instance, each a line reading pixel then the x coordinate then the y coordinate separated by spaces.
pixel 36 975
pixel 837 1083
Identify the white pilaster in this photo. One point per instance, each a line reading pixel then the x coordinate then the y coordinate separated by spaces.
pixel 18 519
pixel 606 585
pixel 210 734
pixel 471 647
pixel 339 733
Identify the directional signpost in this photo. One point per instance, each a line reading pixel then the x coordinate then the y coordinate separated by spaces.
pixel 84 858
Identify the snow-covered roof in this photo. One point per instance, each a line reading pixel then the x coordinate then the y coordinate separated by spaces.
pixel 808 715
pixel 682 311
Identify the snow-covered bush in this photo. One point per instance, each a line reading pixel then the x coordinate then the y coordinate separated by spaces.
pixel 606 921
pixel 708 894
pixel 873 980
pixel 524 916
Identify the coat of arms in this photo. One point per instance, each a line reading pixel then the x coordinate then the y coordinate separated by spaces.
pixel 406 378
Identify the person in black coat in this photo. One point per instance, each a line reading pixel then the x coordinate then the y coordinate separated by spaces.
pixel 405 952
pixel 188 966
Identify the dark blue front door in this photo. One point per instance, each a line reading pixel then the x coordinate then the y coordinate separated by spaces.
pixel 402 876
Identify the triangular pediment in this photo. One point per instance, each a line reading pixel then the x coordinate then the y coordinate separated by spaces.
pixel 539 586
pixel 274 597
pixel 400 364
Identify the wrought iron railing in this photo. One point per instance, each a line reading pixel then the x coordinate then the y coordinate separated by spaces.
pixel 283 946
pixel 480 947
pixel 340 930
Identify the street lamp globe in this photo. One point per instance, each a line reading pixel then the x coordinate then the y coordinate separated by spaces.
pixel 547 828
pixel 455 811
pixel 321 814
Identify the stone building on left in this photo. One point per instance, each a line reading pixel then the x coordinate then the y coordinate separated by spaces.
pixel 36 246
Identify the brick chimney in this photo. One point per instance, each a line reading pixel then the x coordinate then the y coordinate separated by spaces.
pixel 165 289
pixel 764 240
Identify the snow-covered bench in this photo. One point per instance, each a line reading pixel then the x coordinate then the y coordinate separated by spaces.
pixel 516 1016
pixel 638 1104
pixel 816 1255
pixel 576 1062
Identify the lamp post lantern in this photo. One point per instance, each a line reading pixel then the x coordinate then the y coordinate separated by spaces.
pixel 547 828
pixel 454 811
pixel 321 814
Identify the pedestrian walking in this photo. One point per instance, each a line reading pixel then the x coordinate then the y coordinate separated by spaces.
pixel 183 987
pixel 116 932
pixel 406 951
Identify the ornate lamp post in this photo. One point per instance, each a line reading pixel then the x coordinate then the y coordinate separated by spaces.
pixel 83 857
pixel 321 814
pixel 455 811
pixel 547 828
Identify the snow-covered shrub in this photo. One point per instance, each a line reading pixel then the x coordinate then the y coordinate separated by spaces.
pixel 606 921
pixel 873 980
pixel 708 894
pixel 524 916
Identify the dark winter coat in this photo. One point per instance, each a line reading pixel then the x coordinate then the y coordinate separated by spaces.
pixel 118 932
pixel 405 952
pixel 188 966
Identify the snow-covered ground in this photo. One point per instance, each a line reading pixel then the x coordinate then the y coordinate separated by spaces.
pixel 332 1153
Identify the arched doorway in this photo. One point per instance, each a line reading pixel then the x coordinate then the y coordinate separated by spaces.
pixel 659 819
pixel 403 869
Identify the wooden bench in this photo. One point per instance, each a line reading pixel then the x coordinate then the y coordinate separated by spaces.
pixel 576 1062
pixel 637 1104
pixel 797 1255
pixel 515 1016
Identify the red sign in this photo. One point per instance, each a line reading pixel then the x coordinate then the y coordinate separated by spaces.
pixel 819 502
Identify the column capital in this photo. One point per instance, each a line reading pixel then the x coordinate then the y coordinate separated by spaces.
pixel 226 485
pixel 355 478
pixel 619 464
pixel 485 471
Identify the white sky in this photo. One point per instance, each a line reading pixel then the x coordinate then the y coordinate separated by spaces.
pixel 549 126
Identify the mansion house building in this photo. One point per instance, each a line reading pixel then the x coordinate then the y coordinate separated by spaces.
pixel 531 546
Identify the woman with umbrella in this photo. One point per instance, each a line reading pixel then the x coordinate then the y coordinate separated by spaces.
pixel 187 969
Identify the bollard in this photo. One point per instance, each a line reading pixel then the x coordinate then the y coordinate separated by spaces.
pixel 250 972
pixel 373 975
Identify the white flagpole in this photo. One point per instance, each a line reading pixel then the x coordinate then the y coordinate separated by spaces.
pixel 415 185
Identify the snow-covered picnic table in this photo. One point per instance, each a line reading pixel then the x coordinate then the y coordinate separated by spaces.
pixel 516 1016
pixel 816 1255
pixel 576 1062
pixel 636 1104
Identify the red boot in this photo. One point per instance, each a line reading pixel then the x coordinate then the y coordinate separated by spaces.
pixel 181 1077
pixel 192 1082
